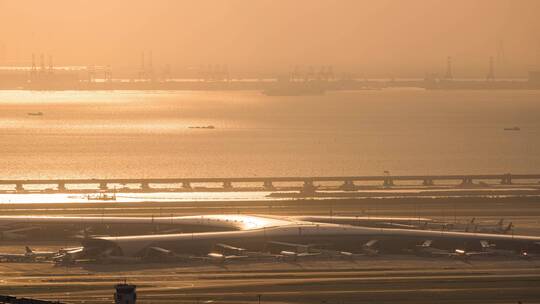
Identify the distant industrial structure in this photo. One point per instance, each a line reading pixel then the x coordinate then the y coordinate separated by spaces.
pixel 311 73
pixel 448 75
pixel 42 74
pixel 449 82
pixel 215 72
pixel 534 78
pixel 146 71
pixel 45 76
pixel 491 72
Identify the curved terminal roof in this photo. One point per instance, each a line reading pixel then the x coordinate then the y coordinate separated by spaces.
pixel 229 221
pixel 135 244
pixel 360 219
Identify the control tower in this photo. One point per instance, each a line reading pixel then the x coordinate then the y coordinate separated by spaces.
pixel 125 294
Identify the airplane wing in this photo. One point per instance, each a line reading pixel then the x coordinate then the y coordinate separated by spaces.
pixel 371 243
pixel 466 254
pixel 369 248
pixel 292 245
pixel 229 247
pixel 295 250
pixel 219 257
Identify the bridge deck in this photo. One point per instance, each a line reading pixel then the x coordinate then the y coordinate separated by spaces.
pixel 272 179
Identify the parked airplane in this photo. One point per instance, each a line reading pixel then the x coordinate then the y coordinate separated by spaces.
pixel 28 256
pixel 293 251
pixel 300 238
pixel 40 254
pixel 493 250
pixel 15 257
pixel 301 251
pixel 242 236
pixel 473 226
pixel 426 248
pixel 491 228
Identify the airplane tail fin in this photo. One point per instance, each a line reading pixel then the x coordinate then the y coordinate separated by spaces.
pixel 371 243
pixel 485 245
pixel 509 227
pixel 426 244
pixel 370 248
pixel 28 250
pixel 471 225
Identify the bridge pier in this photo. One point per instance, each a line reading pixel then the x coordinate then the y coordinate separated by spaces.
pixel 428 182
pixel 348 185
pixel 506 179
pixel 308 187
pixel 268 185
pixel 388 182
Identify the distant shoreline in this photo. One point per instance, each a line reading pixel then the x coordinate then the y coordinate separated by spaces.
pixel 263 85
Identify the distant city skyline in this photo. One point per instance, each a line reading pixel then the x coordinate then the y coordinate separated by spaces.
pixel 370 38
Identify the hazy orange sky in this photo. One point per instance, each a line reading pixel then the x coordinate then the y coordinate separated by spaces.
pixel 372 38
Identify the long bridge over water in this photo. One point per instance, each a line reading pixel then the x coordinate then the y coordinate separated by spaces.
pixel 346 183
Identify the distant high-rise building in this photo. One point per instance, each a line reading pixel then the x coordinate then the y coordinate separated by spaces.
pixel 3 56
pixel 146 71
pixel 448 75
pixel 491 71
pixel 150 72
pixel 142 71
pixel 42 64
pixel 500 58
pixel 534 77
pixel 51 68
pixel 166 73
pixel 108 73
pixel 33 69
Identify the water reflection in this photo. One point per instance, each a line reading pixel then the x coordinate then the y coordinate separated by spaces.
pixel 35 198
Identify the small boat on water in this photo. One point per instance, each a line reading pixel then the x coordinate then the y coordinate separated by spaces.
pixel 512 129
pixel 35 113
pixel 202 127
